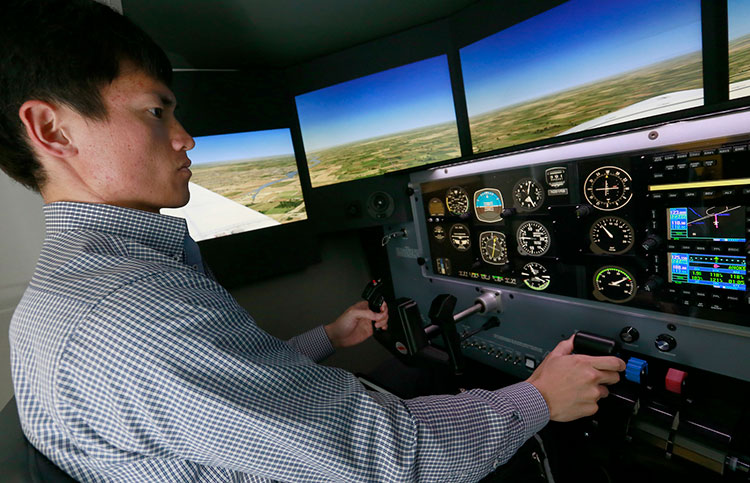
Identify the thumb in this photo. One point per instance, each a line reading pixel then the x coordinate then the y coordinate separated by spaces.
pixel 564 348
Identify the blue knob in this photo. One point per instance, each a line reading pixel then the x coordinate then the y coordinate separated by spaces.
pixel 636 369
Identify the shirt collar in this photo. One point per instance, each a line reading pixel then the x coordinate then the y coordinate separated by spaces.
pixel 160 232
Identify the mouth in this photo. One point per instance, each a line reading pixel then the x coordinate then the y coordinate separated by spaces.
pixel 186 166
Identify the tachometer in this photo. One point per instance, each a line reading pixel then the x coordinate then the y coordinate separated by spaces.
pixel 614 284
pixel 535 276
pixel 528 194
pixel 460 237
pixel 533 238
pixel 457 200
pixel 493 248
pixel 608 188
pixel 612 235
pixel 488 205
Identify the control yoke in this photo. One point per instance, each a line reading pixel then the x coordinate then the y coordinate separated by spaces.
pixel 411 341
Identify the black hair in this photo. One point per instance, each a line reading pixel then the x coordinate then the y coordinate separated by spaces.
pixel 62 51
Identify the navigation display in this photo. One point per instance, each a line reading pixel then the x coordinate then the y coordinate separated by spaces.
pixel 241 182
pixel 712 223
pixel 391 120
pixel 724 272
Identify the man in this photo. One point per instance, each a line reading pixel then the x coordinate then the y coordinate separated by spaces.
pixel 130 363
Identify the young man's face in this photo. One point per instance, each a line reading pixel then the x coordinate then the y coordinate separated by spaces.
pixel 137 158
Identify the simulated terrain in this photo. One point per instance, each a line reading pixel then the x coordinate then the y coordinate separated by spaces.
pixel 371 157
pixel 268 185
pixel 739 59
pixel 555 113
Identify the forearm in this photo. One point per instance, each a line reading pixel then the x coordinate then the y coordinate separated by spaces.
pixel 314 344
pixel 464 437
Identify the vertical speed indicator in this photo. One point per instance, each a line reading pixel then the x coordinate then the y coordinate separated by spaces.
pixel 608 188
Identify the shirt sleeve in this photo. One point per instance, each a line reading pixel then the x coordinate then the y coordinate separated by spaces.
pixel 186 375
pixel 314 344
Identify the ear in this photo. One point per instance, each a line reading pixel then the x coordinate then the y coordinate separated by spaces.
pixel 44 128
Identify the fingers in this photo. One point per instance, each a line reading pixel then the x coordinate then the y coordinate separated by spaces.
pixel 608 377
pixel 608 363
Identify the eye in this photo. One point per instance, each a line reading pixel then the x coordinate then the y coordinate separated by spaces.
pixel 157 112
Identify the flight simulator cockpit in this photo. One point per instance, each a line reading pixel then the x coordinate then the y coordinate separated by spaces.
pixel 530 183
pixel 512 177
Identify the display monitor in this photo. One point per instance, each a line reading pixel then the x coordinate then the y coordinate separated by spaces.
pixel 738 12
pixel 582 65
pixel 718 271
pixel 241 182
pixel 709 223
pixel 391 120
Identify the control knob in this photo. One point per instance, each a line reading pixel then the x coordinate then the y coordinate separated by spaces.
pixel 653 284
pixel 629 334
pixel 651 242
pixel 583 211
pixel 665 342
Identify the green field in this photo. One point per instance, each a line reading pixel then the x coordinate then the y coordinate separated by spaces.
pixel 739 59
pixel 238 181
pixel 371 157
pixel 553 114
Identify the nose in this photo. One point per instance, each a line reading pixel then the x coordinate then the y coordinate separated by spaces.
pixel 181 140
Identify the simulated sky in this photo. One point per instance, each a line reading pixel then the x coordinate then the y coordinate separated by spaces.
pixel 241 146
pixel 578 42
pixel 392 101
pixel 739 18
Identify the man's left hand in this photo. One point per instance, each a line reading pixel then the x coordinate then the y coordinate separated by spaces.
pixel 355 324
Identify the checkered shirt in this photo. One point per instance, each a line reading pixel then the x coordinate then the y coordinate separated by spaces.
pixel 131 365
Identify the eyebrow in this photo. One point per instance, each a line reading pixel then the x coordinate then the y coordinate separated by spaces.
pixel 167 101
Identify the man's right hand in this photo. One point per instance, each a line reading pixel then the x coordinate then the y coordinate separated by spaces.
pixel 573 383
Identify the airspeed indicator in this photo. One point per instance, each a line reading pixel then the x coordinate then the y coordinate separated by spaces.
pixel 457 200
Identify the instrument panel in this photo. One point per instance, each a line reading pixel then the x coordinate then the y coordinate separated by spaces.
pixel 663 231
pixel 638 239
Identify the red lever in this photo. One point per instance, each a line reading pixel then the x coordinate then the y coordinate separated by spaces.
pixel 675 380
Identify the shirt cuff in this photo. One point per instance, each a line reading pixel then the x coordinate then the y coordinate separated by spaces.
pixel 531 406
pixel 314 344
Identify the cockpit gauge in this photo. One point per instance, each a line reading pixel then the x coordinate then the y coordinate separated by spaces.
pixel 528 194
pixel 438 232
pixel 535 276
pixel 460 237
pixel 493 248
pixel 436 207
pixel 608 188
pixel 611 235
pixel 443 266
pixel 457 200
pixel 533 239
pixel 614 284
pixel 488 205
